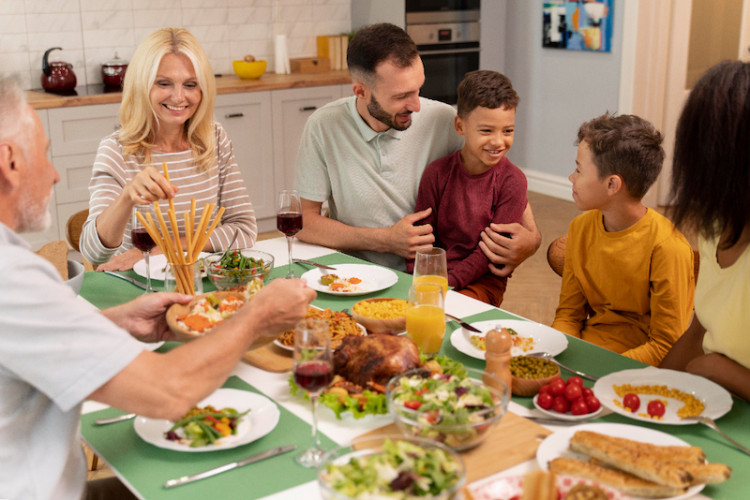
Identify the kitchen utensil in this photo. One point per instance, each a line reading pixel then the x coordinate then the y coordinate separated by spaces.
pixel 113 71
pixel 126 278
pixel 311 263
pixel 546 355
pixel 57 75
pixel 120 418
pixel 463 323
pixel 709 422
pixel 231 465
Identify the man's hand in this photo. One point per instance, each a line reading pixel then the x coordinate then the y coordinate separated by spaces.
pixel 146 316
pixel 122 262
pixel 147 186
pixel 405 238
pixel 507 245
pixel 279 306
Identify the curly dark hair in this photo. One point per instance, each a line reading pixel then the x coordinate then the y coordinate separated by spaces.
pixel 488 89
pixel 711 172
pixel 625 145
pixel 375 43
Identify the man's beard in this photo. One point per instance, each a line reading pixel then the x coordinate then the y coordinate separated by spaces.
pixel 377 112
pixel 34 214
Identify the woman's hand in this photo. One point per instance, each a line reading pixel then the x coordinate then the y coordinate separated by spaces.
pixel 124 261
pixel 147 186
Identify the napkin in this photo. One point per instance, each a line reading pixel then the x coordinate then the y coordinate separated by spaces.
pixel 282 55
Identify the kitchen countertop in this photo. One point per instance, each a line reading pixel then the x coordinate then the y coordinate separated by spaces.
pixel 226 84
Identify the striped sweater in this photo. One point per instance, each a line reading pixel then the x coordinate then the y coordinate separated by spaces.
pixel 221 185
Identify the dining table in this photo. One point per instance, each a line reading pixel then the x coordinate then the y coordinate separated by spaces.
pixel 509 449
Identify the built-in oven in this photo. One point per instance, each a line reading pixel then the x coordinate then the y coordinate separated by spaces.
pixel 447 35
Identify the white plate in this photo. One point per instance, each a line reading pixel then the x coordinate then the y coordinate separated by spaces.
pixel 157 265
pixel 567 416
pixel 509 487
pixel 374 278
pixel 715 398
pixel 546 339
pixel 556 444
pixel 291 349
pixel 263 417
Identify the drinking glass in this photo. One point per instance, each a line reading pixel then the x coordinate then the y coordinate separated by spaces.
pixel 142 240
pixel 313 371
pixel 425 316
pixel 289 220
pixel 430 266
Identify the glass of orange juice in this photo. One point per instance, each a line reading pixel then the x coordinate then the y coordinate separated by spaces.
pixel 425 317
pixel 430 266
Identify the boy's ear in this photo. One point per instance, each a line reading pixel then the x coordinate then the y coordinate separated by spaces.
pixel 614 184
pixel 458 122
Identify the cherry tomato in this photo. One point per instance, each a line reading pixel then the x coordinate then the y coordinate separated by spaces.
pixel 545 389
pixel 587 391
pixel 412 405
pixel 575 380
pixel 572 392
pixel 560 404
pixel 544 400
pixel 557 387
pixel 592 402
pixel 631 401
pixel 655 408
pixel 579 407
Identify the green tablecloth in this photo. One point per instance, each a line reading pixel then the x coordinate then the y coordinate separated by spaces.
pixel 131 461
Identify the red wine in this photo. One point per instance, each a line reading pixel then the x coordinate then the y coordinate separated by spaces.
pixel 142 240
pixel 289 223
pixel 313 375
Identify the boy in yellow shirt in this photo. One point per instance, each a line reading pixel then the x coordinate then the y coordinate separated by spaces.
pixel 628 280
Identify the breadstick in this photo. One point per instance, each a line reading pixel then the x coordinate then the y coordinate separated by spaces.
pixel 210 230
pixel 166 176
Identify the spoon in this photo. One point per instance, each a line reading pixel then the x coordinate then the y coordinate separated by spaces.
pixel 548 356
pixel 709 422
pixel 121 418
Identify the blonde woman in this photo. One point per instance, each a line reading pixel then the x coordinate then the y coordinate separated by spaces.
pixel 166 116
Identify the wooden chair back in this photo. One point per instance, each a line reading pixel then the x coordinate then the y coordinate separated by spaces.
pixel 74 226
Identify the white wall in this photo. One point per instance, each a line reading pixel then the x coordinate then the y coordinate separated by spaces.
pixel 559 90
pixel 90 31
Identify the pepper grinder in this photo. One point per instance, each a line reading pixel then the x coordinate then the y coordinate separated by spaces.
pixel 497 355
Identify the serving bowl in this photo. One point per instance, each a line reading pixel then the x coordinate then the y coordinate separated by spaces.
pixel 345 474
pixel 249 70
pixel 223 277
pixel 525 382
pixel 75 276
pixel 381 314
pixel 434 417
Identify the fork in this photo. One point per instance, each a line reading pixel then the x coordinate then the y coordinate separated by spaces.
pixel 709 422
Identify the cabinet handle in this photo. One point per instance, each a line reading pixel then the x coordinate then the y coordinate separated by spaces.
pixel 234 115
pixel 308 108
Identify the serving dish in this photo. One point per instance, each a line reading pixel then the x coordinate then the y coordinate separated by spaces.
pixel 395 324
pixel 249 70
pixel 374 278
pixel 545 339
pixel 223 278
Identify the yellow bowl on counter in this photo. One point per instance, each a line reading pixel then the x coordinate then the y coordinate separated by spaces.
pixel 249 70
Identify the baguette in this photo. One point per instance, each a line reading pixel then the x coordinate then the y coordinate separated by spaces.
pixel 622 481
pixel 689 454
pixel 639 459
pixel 704 473
pixel 539 485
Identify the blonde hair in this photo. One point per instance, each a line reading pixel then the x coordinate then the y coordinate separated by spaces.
pixel 138 119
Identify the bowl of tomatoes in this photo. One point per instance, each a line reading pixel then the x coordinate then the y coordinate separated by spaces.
pixel 567 399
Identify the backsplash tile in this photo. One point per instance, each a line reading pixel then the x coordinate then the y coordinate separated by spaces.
pixel 91 31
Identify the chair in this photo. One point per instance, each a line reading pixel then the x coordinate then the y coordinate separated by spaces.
pixel 556 256
pixel 74 226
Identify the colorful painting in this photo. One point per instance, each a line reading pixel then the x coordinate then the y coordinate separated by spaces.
pixel 577 25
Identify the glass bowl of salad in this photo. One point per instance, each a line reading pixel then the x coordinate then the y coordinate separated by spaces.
pixel 391 466
pixel 227 270
pixel 454 409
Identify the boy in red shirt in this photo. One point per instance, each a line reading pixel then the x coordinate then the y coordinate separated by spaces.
pixel 475 186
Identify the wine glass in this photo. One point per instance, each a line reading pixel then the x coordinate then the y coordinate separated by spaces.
pixel 425 316
pixel 430 266
pixel 142 241
pixel 313 371
pixel 289 220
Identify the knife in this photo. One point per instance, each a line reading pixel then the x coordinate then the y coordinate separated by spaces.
pixel 232 465
pixel 126 278
pixel 311 263
pixel 463 323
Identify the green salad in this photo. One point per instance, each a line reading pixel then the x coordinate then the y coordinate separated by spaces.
pixel 205 426
pixel 236 267
pixel 403 470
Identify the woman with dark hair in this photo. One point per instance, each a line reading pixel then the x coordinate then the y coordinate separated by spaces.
pixel 710 186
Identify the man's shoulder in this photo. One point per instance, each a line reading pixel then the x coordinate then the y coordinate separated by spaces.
pixel 432 108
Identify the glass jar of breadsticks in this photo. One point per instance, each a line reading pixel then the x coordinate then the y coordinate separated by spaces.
pixel 181 258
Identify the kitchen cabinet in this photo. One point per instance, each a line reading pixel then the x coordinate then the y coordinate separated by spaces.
pixel 247 119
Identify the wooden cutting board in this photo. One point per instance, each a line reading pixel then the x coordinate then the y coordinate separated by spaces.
pixel 271 358
pixel 512 441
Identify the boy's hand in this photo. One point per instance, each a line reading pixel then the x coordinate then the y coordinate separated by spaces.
pixel 507 245
pixel 405 238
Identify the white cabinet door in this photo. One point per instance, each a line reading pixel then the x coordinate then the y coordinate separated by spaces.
pixel 247 119
pixel 290 111
pixel 78 130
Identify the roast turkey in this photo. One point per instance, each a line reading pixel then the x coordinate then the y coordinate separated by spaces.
pixel 372 360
